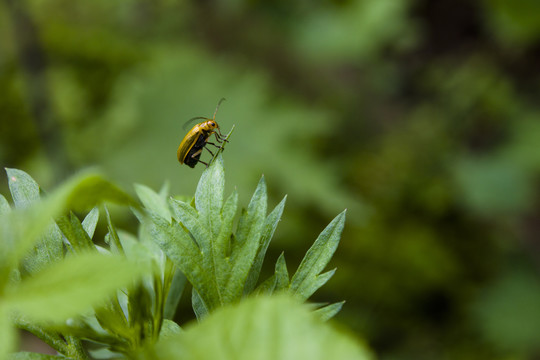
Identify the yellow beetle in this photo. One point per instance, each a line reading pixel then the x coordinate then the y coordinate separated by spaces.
pixel 191 147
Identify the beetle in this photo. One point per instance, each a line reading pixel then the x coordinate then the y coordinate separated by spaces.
pixel 191 147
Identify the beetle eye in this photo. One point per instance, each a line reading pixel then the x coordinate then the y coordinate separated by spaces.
pixel 213 123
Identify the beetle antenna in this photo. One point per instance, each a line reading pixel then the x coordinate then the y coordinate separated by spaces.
pixel 217 107
pixel 190 121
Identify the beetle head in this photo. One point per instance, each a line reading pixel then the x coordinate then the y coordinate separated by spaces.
pixel 209 125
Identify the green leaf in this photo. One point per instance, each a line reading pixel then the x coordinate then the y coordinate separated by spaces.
pixel 191 220
pixel 221 245
pixel 209 196
pixel 24 190
pixel 70 287
pixel 306 280
pixel 4 205
pixel 90 222
pixel 47 250
pixel 152 201
pixel 168 329
pixel 112 237
pixel 177 243
pixel 80 193
pixel 281 273
pixel 197 303
pixel 244 249
pixel 261 328
pixel 76 235
pixel 329 311
pixel 269 227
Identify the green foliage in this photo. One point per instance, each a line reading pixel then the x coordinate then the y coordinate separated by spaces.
pixel 222 265
pixel 52 290
pixel 260 328
pixel 122 298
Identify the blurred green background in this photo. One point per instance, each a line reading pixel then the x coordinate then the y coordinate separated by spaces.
pixel 421 117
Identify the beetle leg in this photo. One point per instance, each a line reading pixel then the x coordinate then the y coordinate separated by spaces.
pixel 211 143
pixel 203 162
pixel 197 153
pixel 209 150
pixel 220 138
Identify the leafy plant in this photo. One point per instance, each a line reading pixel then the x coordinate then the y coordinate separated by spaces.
pixel 64 291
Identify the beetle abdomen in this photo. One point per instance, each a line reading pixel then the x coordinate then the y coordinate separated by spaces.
pixel 192 157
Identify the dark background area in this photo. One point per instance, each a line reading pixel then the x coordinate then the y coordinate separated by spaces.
pixel 420 117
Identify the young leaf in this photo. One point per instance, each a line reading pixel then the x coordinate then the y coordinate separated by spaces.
pixel 244 249
pixel 169 329
pixel 329 311
pixel 261 328
pixel 221 244
pixel 24 190
pixel 306 280
pixel 177 243
pixel 76 235
pixel 4 205
pixel 90 222
pixel 70 287
pixel 269 227
pixel 282 275
pixel 112 237
pixel 209 196
pixel 152 201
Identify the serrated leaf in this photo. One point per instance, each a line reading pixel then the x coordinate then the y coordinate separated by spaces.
pixel 316 259
pixel 329 311
pixel 269 227
pixel 70 287
pixel 247 243
pixel 261 328
pixel 90 222
pixel 177 243
pixel 281 273
pixel 267 287
pixel 24 190
pixel 221 245
pixel 191 220
pixel 209 196
pixel 312 286
pixel 153 201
